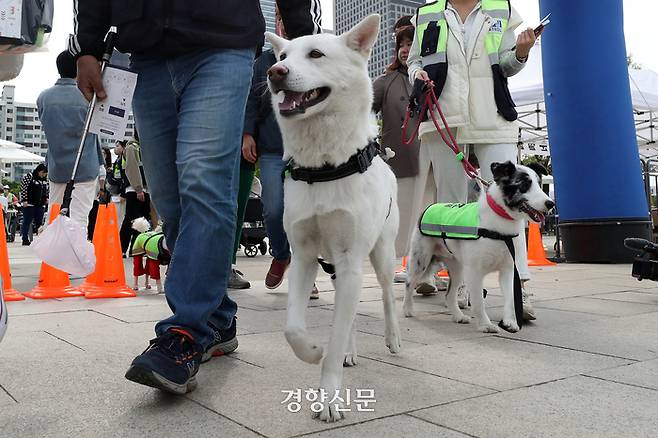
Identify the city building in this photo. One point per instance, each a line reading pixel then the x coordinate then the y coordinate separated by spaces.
pixel 19 123
pixel 347 13
pixel 267 6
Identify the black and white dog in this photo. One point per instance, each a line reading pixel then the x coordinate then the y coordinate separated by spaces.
pixel 515 195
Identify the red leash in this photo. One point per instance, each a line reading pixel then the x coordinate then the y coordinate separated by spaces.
pixel 430 102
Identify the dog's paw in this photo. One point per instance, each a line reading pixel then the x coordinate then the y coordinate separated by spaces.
pixel 393 342
pixel 304 349
pixel 350 359
pixel 510 325
pixel 461 318
pixel 408 310
pixel 489 328
pixel 330 413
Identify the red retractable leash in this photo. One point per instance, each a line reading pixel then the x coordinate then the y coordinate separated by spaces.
pixel 430 102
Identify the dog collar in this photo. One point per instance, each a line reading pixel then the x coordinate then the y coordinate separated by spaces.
pixel 357 163
pixel 500 211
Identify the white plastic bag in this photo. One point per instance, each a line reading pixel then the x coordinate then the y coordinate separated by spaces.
pixel 64 245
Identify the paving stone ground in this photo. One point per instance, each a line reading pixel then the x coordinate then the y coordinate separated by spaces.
pixel 588 367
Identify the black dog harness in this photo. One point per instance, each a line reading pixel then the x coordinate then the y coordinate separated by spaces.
pixel 357 163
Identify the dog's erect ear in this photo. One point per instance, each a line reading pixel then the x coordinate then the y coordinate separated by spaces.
pixel 277 42
pixel 538 168
pixel 502 170
pixel 363 36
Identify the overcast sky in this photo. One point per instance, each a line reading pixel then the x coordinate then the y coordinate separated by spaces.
pixel 39 71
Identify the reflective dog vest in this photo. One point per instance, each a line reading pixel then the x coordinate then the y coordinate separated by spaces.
pixel 432 32
pixel 154 248
pixel 138 248
pixel 451 221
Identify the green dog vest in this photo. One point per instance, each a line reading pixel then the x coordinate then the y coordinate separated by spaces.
pixel 451 221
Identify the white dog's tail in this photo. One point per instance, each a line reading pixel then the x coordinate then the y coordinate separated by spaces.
pixel 141 224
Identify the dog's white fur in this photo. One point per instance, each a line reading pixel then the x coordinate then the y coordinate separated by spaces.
pixel 344 220
pixel 468 261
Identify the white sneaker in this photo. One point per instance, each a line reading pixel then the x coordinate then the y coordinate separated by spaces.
pixel 462 296
pixel 528 311
pixel 400 276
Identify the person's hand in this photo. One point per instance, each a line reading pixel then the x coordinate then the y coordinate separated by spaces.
pixel 524 43
pixel 141 197
pixel 249 148
pixel 422 75
pixel 89 78
pixel 25 204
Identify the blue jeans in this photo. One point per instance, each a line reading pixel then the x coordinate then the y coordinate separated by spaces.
pixel 189 112
pixel 271 169
pixel 31 214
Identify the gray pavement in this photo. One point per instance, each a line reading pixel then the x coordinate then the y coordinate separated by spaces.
pixel 588 367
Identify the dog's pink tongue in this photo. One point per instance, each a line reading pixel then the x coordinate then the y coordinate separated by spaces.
pixel 291 100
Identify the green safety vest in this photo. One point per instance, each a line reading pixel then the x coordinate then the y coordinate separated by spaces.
pixel 451 221
pixel 154 248
pixel 139 245
pixel 432 32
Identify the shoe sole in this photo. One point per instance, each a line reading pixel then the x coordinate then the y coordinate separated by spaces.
pixel 221 349
pixel 274 286
pixel 244 286
pixel 315 296
pixel 426 289
pixel 147 377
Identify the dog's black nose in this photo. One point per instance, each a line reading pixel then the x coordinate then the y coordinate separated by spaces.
pixel 277 73
pixel 550 205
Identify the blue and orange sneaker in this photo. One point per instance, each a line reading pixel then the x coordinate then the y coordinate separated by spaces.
pixel 170 363
pixel 225 342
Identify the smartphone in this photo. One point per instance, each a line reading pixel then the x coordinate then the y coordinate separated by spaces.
pixel 542 24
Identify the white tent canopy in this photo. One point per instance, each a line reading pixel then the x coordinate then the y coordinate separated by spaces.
pixel 527 90
pixel 11 152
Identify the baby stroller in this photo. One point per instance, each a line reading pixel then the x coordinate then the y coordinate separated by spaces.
pixel 253 234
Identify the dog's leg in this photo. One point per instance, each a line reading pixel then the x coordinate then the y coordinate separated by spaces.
pixel 348 289
pixel 506 280
pixel 303 269
pixel 474 279
pixel 420 260
pixel 455 270
pixel 382 258
pixel 351 353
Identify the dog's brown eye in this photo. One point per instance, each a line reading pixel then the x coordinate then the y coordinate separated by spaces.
pixel 316 54
pixel 282 57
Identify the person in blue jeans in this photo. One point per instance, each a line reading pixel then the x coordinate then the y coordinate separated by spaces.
pixel 194 62
pixel 262 142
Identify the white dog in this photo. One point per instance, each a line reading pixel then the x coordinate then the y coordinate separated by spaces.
pixel 515 195
pixel 322 97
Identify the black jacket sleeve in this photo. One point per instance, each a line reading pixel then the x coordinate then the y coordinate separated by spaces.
pixel 300 17
pixel 91 23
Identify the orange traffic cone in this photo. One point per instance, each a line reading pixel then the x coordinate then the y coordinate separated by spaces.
pixel 536 253
pixel 109 279
pixel 10 294
pixel 99 235
pixel 53 283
